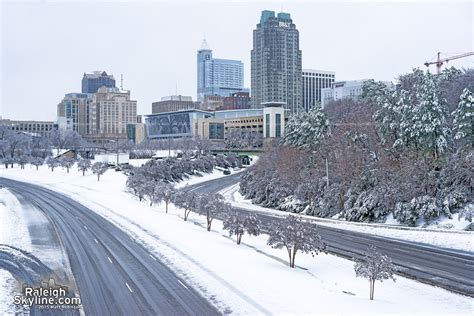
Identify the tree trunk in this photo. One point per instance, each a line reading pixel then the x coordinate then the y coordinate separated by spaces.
pixel 67 170
pixel 293 257
pixel 83 172
pixel 186 214
pixel 37 168
pixel 166 207
pixel 372 286
pixel 239 238
pixel 209 223
pixel 98 177
pixel 289 255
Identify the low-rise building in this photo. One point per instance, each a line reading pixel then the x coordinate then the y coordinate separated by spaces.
pixel 216 125
pixel 174 103
pixel 33 127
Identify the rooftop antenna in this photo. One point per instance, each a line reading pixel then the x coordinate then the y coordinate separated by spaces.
pixel 121 82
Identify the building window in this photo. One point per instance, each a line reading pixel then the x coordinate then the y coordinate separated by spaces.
pixel 267 125
pixel 277 125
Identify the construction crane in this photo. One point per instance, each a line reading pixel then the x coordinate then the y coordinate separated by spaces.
pixel 440 61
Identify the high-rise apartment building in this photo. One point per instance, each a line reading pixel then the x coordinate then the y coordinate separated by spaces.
pixel 313 82
pixel 217 76
pixel 92 82
pixel 276 62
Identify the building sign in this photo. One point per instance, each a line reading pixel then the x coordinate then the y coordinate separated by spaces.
pixel 284 24
pixel 169 125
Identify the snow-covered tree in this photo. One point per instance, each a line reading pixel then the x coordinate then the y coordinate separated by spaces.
pixel 64 139
pixel 309 191
pixel 210 205
pixel 37 162
pixel 374 267
pixel 166 193
pixel 99 168
pixel 136 183
pixel 463 118
pixel 52 163
pixel 22 161
pixel 83 165
pixel 295 235
pixel 307 130
pixel 185 200
pixel 238 224
pixel 67 162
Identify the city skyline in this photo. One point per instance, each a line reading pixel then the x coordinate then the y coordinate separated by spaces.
pixel 347 38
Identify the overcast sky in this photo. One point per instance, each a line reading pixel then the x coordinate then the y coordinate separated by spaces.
pixel 47 46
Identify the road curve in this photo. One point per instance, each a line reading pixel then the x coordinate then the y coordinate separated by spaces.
pixel 446 268
pixel 115 275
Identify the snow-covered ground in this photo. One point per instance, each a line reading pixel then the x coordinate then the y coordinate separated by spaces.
pixel 24 226
pixel 251 278
pixel 461 240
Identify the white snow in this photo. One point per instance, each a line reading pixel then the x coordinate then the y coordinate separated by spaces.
pixel 251 278
pixel 461 240
pixel 20 224
pixel 13 232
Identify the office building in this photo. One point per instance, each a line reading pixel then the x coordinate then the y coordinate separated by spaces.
pixel 92 82
pixel 174 103
pixel 220 77
pixel 75 113
pixel 313 82
pixel 98 117
pixel 340 90
pixel 30 127
pixel 236 101
pixel 276 62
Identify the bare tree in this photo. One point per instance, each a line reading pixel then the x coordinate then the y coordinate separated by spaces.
pixel 295 235
pixel 166 193
pixel 374 267
pixel 64 139
pixel 84 165
pixel 238 224
pixel 99 168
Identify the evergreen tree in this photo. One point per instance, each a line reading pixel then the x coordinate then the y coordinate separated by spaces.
pixel 463 118
pixel 307 130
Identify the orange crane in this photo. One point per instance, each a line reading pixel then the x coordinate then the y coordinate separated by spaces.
pixel 440 61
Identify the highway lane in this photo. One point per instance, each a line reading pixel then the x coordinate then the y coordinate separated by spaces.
pixel 115 275
pixel 446 268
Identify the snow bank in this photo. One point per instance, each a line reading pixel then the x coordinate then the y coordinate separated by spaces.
pixel 251 278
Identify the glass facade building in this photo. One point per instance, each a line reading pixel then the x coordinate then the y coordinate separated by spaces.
pixel 221 77
pixel 92 82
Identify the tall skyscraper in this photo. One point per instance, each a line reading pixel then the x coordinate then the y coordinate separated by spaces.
pixel 217 76
pixel 276 62
pixel 313 82
pixel 92 82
